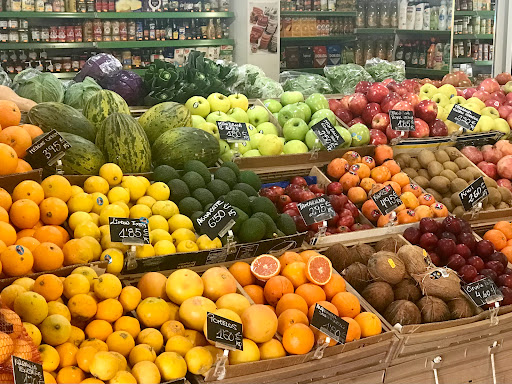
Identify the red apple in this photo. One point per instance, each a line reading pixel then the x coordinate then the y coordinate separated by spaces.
pixel 356 103
pixel 411 85
pixel 505 111
pixel 343 114
pixel 438 128
pixel 389 101
pixel 387 81
pixel 411 98
pixel 380 121
pixel 277 190
pixel 422 129
pixel 468 273
pixel 403 106
pixel 300 223
pixel 377 93
pixel 296 194
pixel 377 137
pixel 370 110
pixel 363 87
pixel 499 95
pixel 334 188
pixel 342 229
pixel 291 212
pixel 337 202
pixel 477 262
pixel 356 120
pixel 306 195
pixel 315 188
pixel 468 92
pixel 489 85
pixel 333 221
pixel 481 94
pixel 492 103
pixel 509 118
pixel 460 92
pixel 291 207
pixel 392 134
pixel 282 201
pixel 334 104
pixel 503 78
pixel 298 180
pixel 352 208
pixel 426 110
pixel 509 96
pixel 344 101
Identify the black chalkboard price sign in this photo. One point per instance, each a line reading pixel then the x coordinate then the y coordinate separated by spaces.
pixel 316 210
pixel 50 148
pixel 464 117
pixel 223 331
pixel 26 372
pixel 233 132
pixel 473 194
pixel 327 134
pixel 330 324
pixel 386 199
pixel 218 219
pixel 402 120
pixel 129 231
pixel 483 292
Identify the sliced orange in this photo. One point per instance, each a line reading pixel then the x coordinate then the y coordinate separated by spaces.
pixel 319 270
pixel 265 266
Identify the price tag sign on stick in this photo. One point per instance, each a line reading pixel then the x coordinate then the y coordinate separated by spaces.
pixel 233 132
pixel 225 332
pixel 50 148
pixel 386 199
pixel 330 324
pixel 464 117
pixel 327 134
pixel 473 194
pixel 316 210
pixel 26 372
pixel 402 120
pixel 218 220
pixel 129 231
pixel 483 292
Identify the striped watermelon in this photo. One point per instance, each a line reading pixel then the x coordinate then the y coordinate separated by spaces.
pixel 162 117
pixel 102 104
pixel 123 142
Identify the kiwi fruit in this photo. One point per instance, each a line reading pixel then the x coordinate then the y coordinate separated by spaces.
pixel 458 185
pixel 494 196
pixel 414 164
pixel 449 174
pixel 506 195
pixel 503 205
pixel 465 174
pixel 448 203
pixel 434 193
pixel 452 152
pixel 450 165
pixel 422 182
pixel 490 208
pixel 426 157
pixel 441 184
pixel 475 172
pixel 403 160
pixel 455 199
pixel 442 156
pixel 435 168
pixel 410 172
pixel 459 211
pixel 424 173
pixel 490 183
pixel 462 162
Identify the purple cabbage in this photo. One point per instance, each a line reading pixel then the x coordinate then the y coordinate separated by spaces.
pixel 128 85
pixel 100 67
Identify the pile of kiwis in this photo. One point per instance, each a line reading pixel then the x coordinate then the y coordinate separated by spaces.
pixel 396 280
pixel 445 172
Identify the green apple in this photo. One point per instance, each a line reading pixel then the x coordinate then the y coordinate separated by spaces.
pixel 211 129
pixel 457 100
pixel 448 90
pixel 197 121
pixel 452 127
pixel 242 147
pixel 283 140
pixel 490 111
pixel 316 102
pixel 238 114
pixel 219 102
pixel 268 128
pixel 291 97
pixel 288 112
pixel 360 134
pixel 272 105
pixel 475 100
pixel 217 116
pixel 252 153
pixel 295 146
pixel 270 145
pixel 441 113
pixel 255 140
pixel 257 115
pixel 507 88
pixel 295 129
pixel 313 122
pixel 228 155
pixel 238 100
pixel 346 135
pixel 224 146
pixel 198 105
pixel 502 126
pixel 307 111
pixel 441 99
pixel 252 130
pixel 312 140
pixel 473 107
pixel 485 124
pixel 325 113
pixel 428 90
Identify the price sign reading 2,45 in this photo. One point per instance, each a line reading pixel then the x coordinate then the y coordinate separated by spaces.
pixel 225 332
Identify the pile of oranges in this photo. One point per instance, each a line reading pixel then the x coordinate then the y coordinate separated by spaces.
pixel 361 177
pixel 501 237
pixel 15 139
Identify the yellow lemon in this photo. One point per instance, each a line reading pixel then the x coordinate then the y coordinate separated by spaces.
pixel 95 247
pixel 104 365
pixel 77 336
pixel 78 218
pixel 165 208
pixel 135 186
pixel 183 234
pixel 112 173
pixel 187 246
pixel 119 194
pixel 55 329
pixel 56 308
pixel 140 210
pixel 81 202
pixel 164 247
pixel 100 201
pixel 145 250
pixel 107 243
pixel 144 181
pixel 217 242
pixel 171 365
pixel 50 357
pixel 204 242
pixel 10 293
pixel 95 218
pixel 96 184
pixel 75 189
pixel 112 210
pixel 141 352
pixel 25 282
pixel 125 207
pixel 159 234
pixel 105 230
pixel 87 228
pixel 33 332
pixel 158 191
pixel 158 222
pixel 87 272
pixel 115 260
pixel 180 221
pixel 146 200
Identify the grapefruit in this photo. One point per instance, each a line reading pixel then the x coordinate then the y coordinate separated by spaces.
pixel 183 284
pixel 265 266
pixel 319 270
pixel 193 312
pixel 259 323
pixel 234 301
pixel 218 282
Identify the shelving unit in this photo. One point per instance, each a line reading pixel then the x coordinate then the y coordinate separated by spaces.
pixel 317 13
pixel 292 40
pixel 118 15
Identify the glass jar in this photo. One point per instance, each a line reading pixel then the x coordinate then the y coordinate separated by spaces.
pixel 45 34
pixel 35 34
pixel 78 33
pixel 66 64
pixel 61 34
pixel 97 29
pixel 70 34
pixel 115 30
pixel 54 34
pixel 88 34
pixel 107 30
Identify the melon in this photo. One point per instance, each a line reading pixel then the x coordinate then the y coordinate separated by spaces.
pixel 103 104
pixel 163 117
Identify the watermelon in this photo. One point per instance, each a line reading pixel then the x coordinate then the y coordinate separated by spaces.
pixel 123 142
pixel 62 118
pixel 177 146
pixel 162 117
pixel 102 104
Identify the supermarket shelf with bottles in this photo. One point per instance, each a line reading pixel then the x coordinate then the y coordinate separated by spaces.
pixel 117 15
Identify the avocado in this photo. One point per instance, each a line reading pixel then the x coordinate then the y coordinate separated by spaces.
pixel 226 174
pixel 196 215
pixel 286 224
pixel 246 188
pixel 251 230
pixel 199 167
pixel 218 187
pixel 249 177
pixel 270 226
pixel 189 205
pixel 193 180
pixel 263 204
pixel 238 199
pixel 204 196
pixel 242 216
pixel 179 190
pixel 165 173
pixel 233 166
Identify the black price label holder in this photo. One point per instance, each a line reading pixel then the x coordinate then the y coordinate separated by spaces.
pixel 132 232
pixel 386 199
pixel 26 371
pixel 463 117
pixel 472 196
pixel 332 326
pixel 485 292
pixel 316 210
pixel 402 120
pixel 50 149
pixel 327 134
pixel 218 221
pixel 233 132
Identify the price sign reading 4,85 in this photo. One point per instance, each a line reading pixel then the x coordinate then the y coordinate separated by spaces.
pixel 26 372
pixel 218 220
pixel 129 231
pixel 483 292
pixel 330 324
pixel 50 148
pixel 316 210
pixel 327 134
pixel 464 117
pixel 475 192
pixel 223 331
pixel 233 132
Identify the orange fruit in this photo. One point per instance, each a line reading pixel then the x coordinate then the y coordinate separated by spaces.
pixel 5 199
pixel 507 251
pixel 369 161
pixel 255 292
pixel 360 169
pixel 289 257
pixel 16 138
pixel 423 211
pixel 367 184
pixel 306 255
pixel 410 201
pixel 439 210
pixel 352 157
pixel 121 342
pixel 296 273
pixel 242 273
pixel 347 304
pixel 319 270
pixel 49 234
pixel 311 293
pixel 298 339
pixel 130 297
pixel 16 260
pixel 327 305
pixel 354 330
pixel 401 178
pixel 369 323
pixel 496 237
pixel 47 257
pixel 383 153
pixel 28 242
pixel 63 232
pixel 505 227
pixel 67 353
pixel 56 186
pixel 49 286
pixel 25 233
pixel 77 251
pixel 334 286
pixel 84 357
pixel 70 375
pixel 349 180
pixel 7 233
pixel 275 288
pixel 4 216
pixel 406 216
pixel 426 199
pixel 380 174
pixel 289 317
pixel 22 167
pixel 357 195
pixel 33 130
pixel 54 211
pixel 128 324
pixel 265 266
pixel 414 188
pixel 337 168
pixel 98 329
pixel 8 159
pixel 24 213
pixel 396 187
pixel 392 165
pixel 371 211
pixel 109 310
pixel 10 114
pixel 386 219
pixel 259 323
pixel 82 307
pixel 152 284
pixel 2 246
pixel 30 190
pixel 291 301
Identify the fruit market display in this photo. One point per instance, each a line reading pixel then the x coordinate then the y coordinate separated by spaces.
pixel 443 173
pixel 493 160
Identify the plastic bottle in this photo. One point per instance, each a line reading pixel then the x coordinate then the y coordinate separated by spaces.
pixel 402 14
pixel 443 16
pixel 434 18
pixel 420 9
pixel 449 16
pixel 426 17
pixel 411 15
pixel 393 14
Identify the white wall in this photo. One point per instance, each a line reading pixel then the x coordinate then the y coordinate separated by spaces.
pixel 503 38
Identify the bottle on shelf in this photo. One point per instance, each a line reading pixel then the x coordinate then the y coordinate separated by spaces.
pixel 443 16
pixel 411 15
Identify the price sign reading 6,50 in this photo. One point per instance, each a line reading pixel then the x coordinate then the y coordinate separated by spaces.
pixel 223 331
pixel 218 219
pixel 473 194
pixel 129 231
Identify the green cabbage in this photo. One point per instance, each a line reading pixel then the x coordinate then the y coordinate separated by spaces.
pixel 383 69
pixel 37 86
pixel 345 77
pixel 265 88
pixel 77 94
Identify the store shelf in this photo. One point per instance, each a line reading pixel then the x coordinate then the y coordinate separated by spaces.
pixel 424 33
pixel 118 15
pixel 483 63
pixel 473 37
pixel 305 39
pixel 164 43
pixel 485 14
pixel 426 72
pixel 371 31
pixel 462 60
pixel 317 13
pixel 318 71
pixel 46 45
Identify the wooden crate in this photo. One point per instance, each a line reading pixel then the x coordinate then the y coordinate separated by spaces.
pixel 9 182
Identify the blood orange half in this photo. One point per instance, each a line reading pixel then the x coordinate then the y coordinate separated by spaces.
pixel 319 270
pixel 265 266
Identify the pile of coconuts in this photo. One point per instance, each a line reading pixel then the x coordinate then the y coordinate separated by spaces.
pixel 397 281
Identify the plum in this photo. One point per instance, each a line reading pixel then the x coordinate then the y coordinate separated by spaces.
pixel 477 262
pixel 496 266
pixel 484 249
pixel 412 235
pixel 465 226
pixel 463 250
pixel 467 273
pixel 477 278
pixel 447 235
pixel 499 256
pixel 491 274
pixel 468 239
pixel 505 279
pixel 435 259
pixel 456 262
pixel 445 247
pixel 473 154
pixel 452 224
pixel 428 241
pixel 507 295
pixel 428 224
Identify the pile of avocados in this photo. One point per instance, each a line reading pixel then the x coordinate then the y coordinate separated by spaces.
pixel 195 189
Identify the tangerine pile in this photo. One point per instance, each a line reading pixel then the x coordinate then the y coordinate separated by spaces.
pixel 361 177
pixel 501 237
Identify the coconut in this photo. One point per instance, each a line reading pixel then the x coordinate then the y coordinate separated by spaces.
pixel 403 312
pixel 363 252
pixel 386 266
pixel 407 289
pixel 389 244
pixel 413 258
pixel 433 283
pixel 460 308
pixel 357 276
pixel 379 295
pixel 433 309
pixel 340 256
